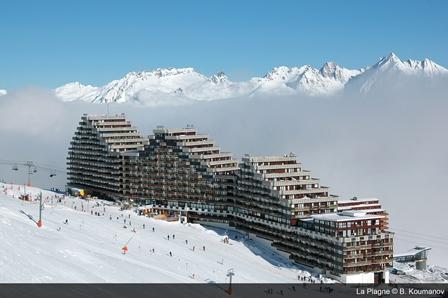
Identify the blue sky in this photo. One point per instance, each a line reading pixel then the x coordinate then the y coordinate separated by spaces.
pixel 49 43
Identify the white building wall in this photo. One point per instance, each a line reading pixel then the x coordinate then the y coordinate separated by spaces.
pixel 358 278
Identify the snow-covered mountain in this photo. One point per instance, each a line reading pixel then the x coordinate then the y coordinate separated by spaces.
pixel 393 69
pixel 173 86
pixel 3 92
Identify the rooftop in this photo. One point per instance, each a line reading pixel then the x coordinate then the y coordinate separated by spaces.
pixel 413 251
pixel 354 200
pixel 345 216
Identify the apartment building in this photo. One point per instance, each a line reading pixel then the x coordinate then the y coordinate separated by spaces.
pixel 270 198
pixel 95 154
pixel 181 171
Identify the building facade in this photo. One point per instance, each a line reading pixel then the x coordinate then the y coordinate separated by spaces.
pixel 179 172
pixel 94 159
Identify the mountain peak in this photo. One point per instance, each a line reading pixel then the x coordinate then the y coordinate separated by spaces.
pixel 390 59
pixel 220 77
pixel 329 68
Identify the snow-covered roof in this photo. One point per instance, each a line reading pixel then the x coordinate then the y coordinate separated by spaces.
pixel 345 216
pixel 413 251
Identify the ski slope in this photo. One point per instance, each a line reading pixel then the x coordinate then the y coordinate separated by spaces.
pixel 89 247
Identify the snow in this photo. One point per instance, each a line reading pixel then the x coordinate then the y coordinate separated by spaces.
pixel 89 247
pixel 74 91
pixel 408 274
pixel 180 86
pixel 392 68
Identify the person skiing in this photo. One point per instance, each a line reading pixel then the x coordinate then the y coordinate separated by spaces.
pixel 186 241
pixel 171 254
pixel 174 236
pixel 143 226
pixel 193 247
pixel 168 237
pixel 153 229
pixel 203 248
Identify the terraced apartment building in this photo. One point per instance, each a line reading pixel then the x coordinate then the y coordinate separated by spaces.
pixel 94 159
pixel 270 198
pixel 181 171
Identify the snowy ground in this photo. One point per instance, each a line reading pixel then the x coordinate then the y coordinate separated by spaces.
pixel 89 247
pixel 408 274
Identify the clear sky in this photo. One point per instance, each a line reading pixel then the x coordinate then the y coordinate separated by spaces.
pixel 49 43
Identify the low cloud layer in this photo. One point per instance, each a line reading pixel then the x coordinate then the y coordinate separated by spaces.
pixel 389 144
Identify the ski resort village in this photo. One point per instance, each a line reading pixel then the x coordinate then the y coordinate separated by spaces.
pixel 174 207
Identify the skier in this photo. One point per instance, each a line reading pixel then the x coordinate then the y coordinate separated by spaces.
pixel 171 254
pixel 66 221
pixel 174 236
pixel 186 241
pixel 143 226
pixel 110 217
pixel 203 248
pixel 153 229
pixel 193 247
pixel 168 237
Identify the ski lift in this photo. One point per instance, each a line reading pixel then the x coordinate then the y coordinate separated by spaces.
pixel 15 168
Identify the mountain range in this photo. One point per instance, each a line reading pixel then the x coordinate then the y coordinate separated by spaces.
pixel 174 86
